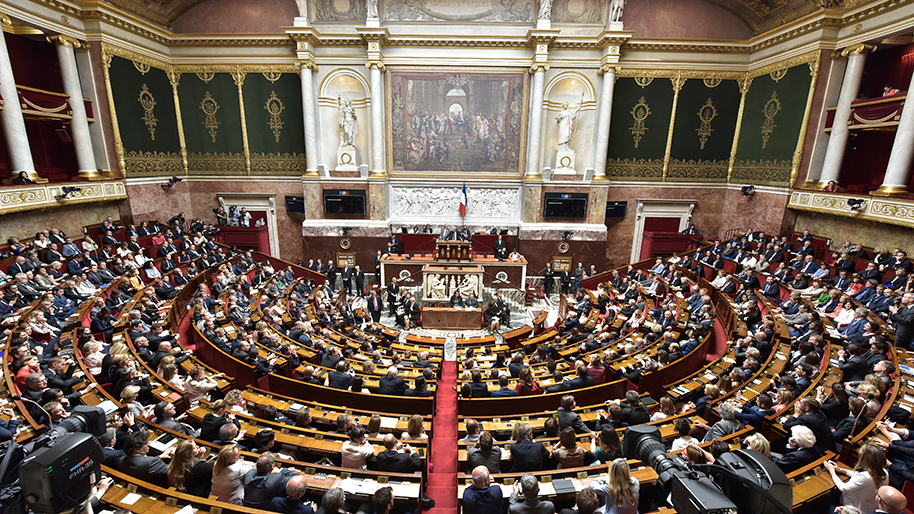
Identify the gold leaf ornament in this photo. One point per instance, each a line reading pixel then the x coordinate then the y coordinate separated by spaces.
pixel 148 102
pixel 639 113
pixel 274 107
pixel 209 108
pixel 706 114
pixel 772 107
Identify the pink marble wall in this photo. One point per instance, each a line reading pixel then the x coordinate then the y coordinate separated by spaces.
pixel 716 211
pixel 70 219
pixel 237 17
pixel 684 19
pixel 197 199
pixel 867 233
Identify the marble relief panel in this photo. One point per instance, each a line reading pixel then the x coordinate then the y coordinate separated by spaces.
pixel 464 10
pixel 429 203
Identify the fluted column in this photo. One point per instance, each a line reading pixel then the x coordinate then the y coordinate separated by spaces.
pixel 534 133
pixel 79 124
pixel 604 116
pixel 307 94
pixel 17 139
pixel 837 141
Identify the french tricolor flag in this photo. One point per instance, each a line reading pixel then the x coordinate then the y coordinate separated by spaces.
pixel 463 204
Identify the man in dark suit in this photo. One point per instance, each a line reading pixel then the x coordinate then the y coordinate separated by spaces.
pixel 375 306
pixel 141 466
pixel 504 390
pixel 853 364
pixel 421 389
pixel 548 279
pixel 634 412
pixel 569 418
pixel 581 380
pixel 903 317
pixel 565 281
pixel 561 385
pixel 475 389
pixel 806 412
pixel 391 384
pixel 377 267
pixel 398 457
pixel 501 249
pixel 59 378
pixel 487 455
pixel 393 293
pixel 338 378
pixel 261 484
pixel 347 279
pixel 527 454
pixel 359 281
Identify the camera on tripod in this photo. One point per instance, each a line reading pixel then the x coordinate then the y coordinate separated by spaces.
pixel 743 481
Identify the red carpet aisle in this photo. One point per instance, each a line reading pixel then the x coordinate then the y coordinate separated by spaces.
pixel 442 482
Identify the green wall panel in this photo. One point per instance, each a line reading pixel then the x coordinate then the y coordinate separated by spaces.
pixel 212 123
pixel 273 115
pixel 771 125
pixel 636 149
pixel 703 131
pixel 145 108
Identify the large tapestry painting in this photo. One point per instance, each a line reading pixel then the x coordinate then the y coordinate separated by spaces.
pixel 457 121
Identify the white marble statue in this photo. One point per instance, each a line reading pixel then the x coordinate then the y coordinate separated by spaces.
pixel 615 10
pixel 545 10
pixel 371 7
pixel 349 124
pixel 565 121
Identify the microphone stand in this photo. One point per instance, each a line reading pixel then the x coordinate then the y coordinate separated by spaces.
pixel 47 415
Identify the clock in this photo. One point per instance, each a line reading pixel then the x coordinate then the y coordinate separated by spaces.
pixel 345 243
pixel 563 247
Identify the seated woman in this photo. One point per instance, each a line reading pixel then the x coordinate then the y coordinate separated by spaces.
pixel 151 271
pixel 567 453
pixel 799 449
pixel 492 317
pixel 188 472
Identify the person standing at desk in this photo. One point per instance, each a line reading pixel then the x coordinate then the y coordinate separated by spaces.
pixel 548 278
pixel 501 249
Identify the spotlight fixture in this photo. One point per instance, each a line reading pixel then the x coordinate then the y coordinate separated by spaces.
pixel 566 234
pixel 171 183
pixel 855 204
pixel 67 192
pixel 346 231
pixel 747 190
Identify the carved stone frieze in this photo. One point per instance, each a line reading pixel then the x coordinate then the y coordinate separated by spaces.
pixel 885 210
pixel 429 203
pixel 43 196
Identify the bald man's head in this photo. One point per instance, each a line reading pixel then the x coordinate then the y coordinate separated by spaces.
pixel 390 442
pixel 481 477
pixel 295 487
pixel 891 499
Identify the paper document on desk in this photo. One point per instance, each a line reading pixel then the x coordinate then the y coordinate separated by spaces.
pixel 547 489
pixel 388 422
pixel 356 486
pixel 405 489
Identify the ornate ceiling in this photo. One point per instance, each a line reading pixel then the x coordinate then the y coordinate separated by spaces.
pixel 759 15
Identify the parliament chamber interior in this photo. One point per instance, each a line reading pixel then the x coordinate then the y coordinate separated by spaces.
pixel 497 256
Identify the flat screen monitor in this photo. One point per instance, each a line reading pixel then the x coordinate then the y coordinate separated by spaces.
pixel 565 205
pixel 295 204
pixel 344 201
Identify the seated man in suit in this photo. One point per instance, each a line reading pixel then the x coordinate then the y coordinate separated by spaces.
pixel 392 384
pixel 261 484
pixel 581 380
pixel 525 498
pixel 141 466
pixel 504 390
pixel 569 418
pixel 527 454
pixel 398 457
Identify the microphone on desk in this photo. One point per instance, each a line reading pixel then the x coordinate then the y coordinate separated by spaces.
pixel 47 416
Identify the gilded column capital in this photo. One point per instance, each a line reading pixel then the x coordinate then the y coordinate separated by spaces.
pixel 858 49
pixel 66 41
pixel 5 20
pixel 173 77
pixel 308 65
pixel 609 67
pixel 375 64
pixel 539 66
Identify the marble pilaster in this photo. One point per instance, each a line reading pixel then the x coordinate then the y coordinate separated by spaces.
pixel 307 94
pixel 17 140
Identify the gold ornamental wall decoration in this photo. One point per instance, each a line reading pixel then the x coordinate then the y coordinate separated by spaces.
pixel 644 81
pixel 706 114
pixel 772 106
pixel 148 102
pixel 272 75
pixel 639 112
pixel 778 74
pixel 141 67
pixel 712 83
pixel 205 76
pixel 209 108
pixel 274 107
